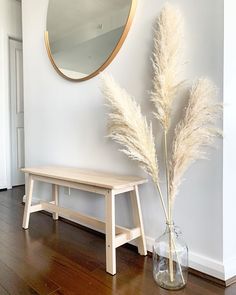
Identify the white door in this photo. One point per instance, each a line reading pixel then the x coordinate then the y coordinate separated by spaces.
pixel 17 113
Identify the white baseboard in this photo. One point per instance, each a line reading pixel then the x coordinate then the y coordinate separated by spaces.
pixel 230 268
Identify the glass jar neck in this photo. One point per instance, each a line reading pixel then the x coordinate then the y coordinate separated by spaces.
pixel 169 227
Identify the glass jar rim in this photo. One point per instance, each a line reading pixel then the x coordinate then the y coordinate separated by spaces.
pixel 170 223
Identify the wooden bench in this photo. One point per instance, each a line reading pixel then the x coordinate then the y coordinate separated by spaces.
pixel 105 184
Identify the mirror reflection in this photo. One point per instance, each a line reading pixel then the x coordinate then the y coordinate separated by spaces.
pixel 82 34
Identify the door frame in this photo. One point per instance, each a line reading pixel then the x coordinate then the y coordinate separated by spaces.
pixel 8 117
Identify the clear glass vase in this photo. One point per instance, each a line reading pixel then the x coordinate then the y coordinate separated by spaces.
pixel 170 259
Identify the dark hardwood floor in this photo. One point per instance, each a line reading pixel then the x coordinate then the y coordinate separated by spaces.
pixel 61 259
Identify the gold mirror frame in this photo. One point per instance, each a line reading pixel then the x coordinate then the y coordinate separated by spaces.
pixel 111 56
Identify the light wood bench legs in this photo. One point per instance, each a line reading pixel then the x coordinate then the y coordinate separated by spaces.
pixel 115 235
pixel 111 237
pixel 138 221
pixel 110 233
pixel 55 199
pixel 29 194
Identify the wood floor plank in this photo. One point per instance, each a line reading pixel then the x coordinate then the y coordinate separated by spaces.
pixel 57 258
pixel 57 267
pixel 13 283
pixel 26 272
pixel 3 291
pixel 36 253
pixel 63 292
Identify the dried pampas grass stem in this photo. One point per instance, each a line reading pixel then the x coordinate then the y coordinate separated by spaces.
pixel 194 132
pixel 168 37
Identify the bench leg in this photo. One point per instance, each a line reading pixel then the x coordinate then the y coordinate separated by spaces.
pixel 110 233
pixel 138 221
pixel 55 198
pixel 30 185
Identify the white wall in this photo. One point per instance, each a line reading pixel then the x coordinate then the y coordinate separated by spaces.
pixel 10 26
pixel 229 203
pixel 65 123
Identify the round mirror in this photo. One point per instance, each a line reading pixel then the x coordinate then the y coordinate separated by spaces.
pixel 83 36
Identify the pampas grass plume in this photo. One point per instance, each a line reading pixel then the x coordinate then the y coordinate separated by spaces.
pixel 194 132
pixel 168 40
pixel 129 128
